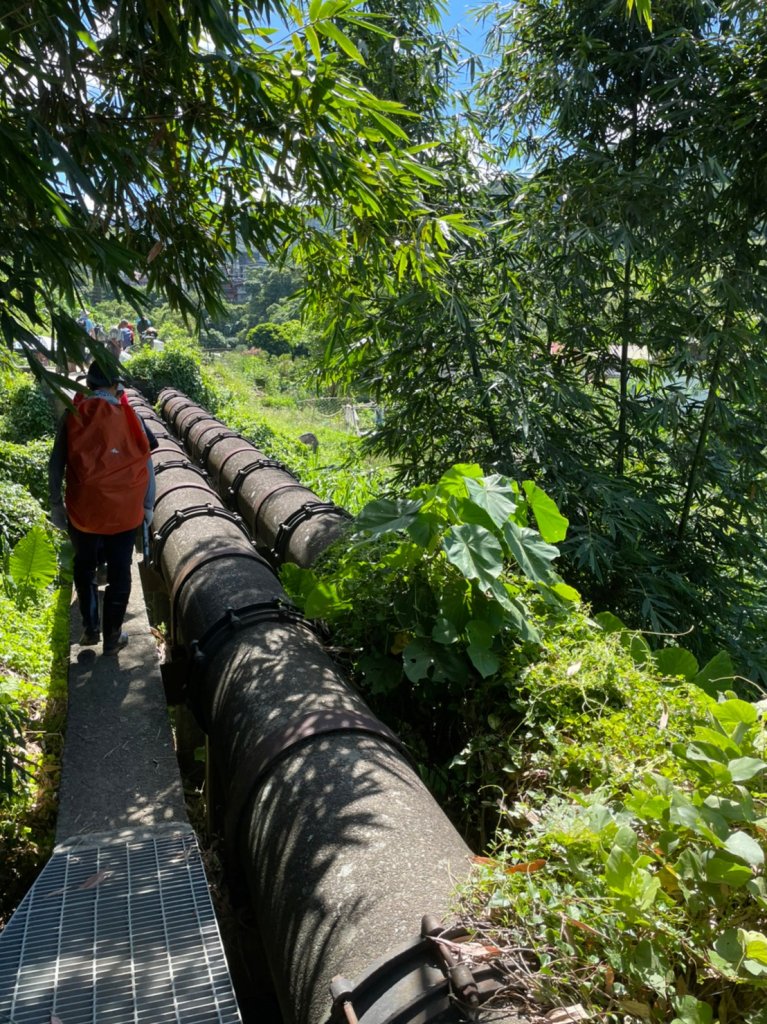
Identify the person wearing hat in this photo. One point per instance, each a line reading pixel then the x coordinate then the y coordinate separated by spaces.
pixel 114 342
pixel 101 458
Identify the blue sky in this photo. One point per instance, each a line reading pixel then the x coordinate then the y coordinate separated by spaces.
pixel 472 35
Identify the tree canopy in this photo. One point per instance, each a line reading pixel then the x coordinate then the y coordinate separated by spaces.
pixel 604 330
pixel 144 141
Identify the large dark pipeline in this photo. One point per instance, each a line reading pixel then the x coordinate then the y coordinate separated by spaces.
pixel 328 829
pixel 290 522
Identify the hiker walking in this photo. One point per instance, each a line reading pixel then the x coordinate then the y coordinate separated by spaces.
pixel 101 454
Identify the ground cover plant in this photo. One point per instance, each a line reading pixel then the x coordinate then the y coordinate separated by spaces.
pixel 621 788
pixel 34 639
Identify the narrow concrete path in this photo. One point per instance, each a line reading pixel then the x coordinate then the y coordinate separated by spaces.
pixel 119 766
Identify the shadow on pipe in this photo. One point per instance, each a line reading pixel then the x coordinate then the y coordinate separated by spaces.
pixel 328 829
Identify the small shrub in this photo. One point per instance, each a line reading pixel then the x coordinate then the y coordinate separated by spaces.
pixel 175 366
pixel 27 412
pixel 19 512
pixel 27 464
pixel 272 338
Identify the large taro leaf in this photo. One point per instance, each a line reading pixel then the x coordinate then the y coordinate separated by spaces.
pixel 475 551
pixel 387 515
pixel 533 555
pixel 493 494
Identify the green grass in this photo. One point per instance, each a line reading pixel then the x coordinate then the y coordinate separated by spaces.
pixel 34 658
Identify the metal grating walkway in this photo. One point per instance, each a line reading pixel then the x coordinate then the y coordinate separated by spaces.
pixel 119 927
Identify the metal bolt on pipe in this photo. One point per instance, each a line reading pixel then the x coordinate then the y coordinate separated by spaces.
pixel 289 522
pixel 328 828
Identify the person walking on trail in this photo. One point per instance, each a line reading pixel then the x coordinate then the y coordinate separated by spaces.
pixel 101 455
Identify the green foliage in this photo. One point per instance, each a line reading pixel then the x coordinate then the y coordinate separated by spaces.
pixel 464 532
pixel 673 661
pixel 656 889
pixel 303 141
pixel 272 338
pixel 438 595
pixel 26 615
pixel 32 566
pixel 12 744
pixel 34 660
pixel 19 512
pixel 268 285
pixel 27 413
pixel 27 464
pixel 178 366
pixel 604 332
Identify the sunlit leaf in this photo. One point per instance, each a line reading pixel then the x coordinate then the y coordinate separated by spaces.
pixel 676 661
pixel 475 551
pixel 494 495
pixel 742 846
pixel 551 523
pixel 531 552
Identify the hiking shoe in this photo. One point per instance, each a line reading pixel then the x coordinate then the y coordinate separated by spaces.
pixel 90 638
pixel 115 643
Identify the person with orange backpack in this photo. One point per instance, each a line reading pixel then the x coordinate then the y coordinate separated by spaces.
pixel 101 456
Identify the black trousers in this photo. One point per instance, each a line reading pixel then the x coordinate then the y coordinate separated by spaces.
pixel 90 549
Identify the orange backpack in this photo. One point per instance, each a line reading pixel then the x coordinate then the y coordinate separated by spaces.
pixel 107 474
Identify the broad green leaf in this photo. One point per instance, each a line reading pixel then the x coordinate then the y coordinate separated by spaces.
pixel 690 1010
pixel 481 635
pixel 297 581
pixel 533 555
pixel 648 806
pixel 731 712
pixel 425 529
pixel 743 769
pixel 619 870
pixel 484 660
pixel 382 674
pixel 494 496
pixel 638 648
pixel 754 945
pixel 699 750
pixel 453 480
pixel 515 611
pixel 716 673
pixel 610 623
pixel 475 552
pixel 32 562
pixel 682 812
pixel 718 738
pixel 724 870
pixel 417 659
pixel 732 810
pixel 728 946
pixel 551 523
pixel 325 599
pixel 387 515
pixel 676 661
pixel 566 592
pixel 745 848
pixel 626 839
pixel 650 965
